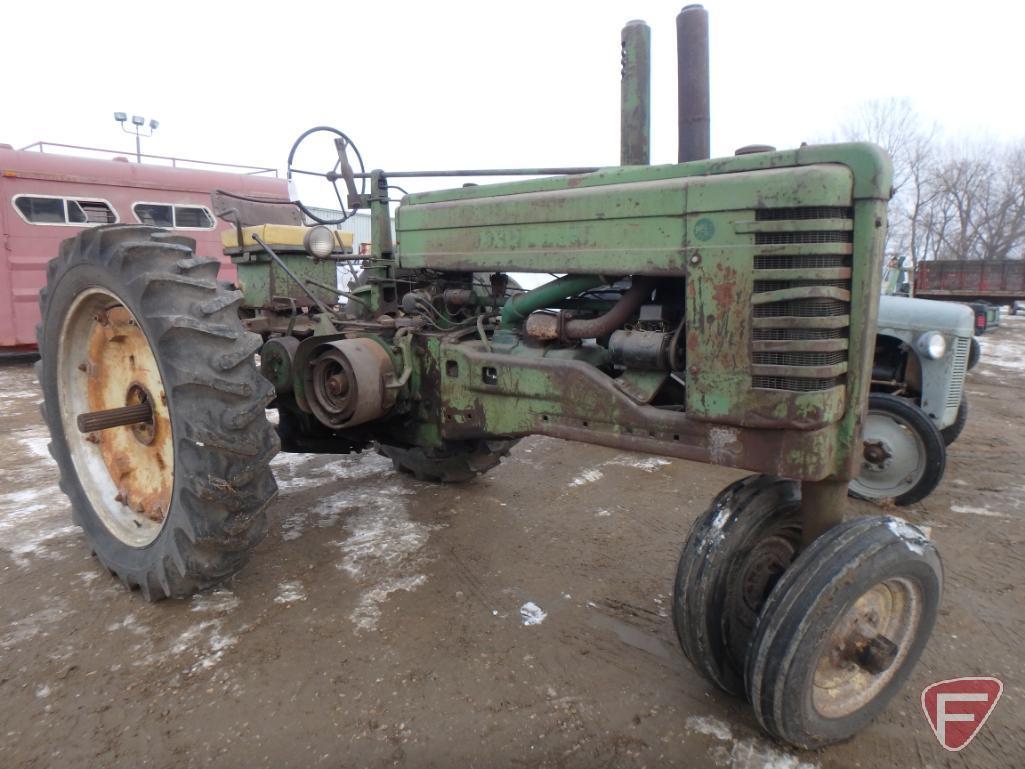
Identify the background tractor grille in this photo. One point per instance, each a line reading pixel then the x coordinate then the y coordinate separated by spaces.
pixel 958 370
pixel 801 297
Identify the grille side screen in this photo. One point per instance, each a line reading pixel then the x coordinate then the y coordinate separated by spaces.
pixel 800 311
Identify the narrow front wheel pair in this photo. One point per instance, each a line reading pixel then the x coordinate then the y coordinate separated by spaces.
pixel 818 640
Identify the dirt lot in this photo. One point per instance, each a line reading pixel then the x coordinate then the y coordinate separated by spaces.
pixel 521 620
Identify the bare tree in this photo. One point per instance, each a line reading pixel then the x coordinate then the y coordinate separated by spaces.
pixel 950 201
pixel 894 125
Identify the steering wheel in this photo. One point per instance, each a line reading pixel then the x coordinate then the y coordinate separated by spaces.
pixel 340 170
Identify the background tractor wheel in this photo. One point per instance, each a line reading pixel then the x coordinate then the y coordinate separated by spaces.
pixel 903 452
pixel 842 630
pixel 455 463
pixel 173 503
pixel 734 554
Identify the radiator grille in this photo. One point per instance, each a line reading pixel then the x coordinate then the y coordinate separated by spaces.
pixel 958 369
pixel 783 334
pixel 777 238
pixel 796 384
pixel 802 308
pixel 804 212
pixel 810 309
pixel 784 262
pixel 800 358
pixel 761 286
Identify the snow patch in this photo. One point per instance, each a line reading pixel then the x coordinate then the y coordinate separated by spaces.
pixel 37 623
pixel 1007 354
pixel 588 476
pixel 367 614
pixel 747 753
pixel 384 549
pixel 648 464
pixel 290 592
pixel 35 512
pixel 532 614
pixel 985 511
pixel 217 601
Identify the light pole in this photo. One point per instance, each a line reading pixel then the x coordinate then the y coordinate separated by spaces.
pixel 137 122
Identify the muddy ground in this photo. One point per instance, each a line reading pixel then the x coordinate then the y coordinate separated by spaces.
pixel 518 621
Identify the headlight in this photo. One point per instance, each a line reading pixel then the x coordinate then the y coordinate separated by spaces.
pixel 932 345
pixel 319 241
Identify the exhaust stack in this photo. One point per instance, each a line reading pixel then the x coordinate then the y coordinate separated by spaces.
pixel 693 83
pixel 635 97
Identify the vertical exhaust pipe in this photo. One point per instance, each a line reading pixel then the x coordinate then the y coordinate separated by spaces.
pixel 635 95
pixel 693 83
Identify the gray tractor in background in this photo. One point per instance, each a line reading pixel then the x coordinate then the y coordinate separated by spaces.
pixel 917 405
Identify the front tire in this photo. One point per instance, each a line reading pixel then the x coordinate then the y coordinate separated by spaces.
pixel 903 452
pixel 734 554
pixel 177 504
pixel 842 630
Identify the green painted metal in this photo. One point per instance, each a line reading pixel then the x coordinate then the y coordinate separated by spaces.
pixel 262 282
pixel 635 95
pixel 767 265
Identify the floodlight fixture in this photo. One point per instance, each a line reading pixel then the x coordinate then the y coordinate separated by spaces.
pixel 138 120
pixel 120 117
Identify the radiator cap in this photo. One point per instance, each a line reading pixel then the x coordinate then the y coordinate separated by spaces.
pixel 751 149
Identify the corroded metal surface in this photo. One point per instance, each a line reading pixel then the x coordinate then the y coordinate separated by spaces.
pixel 120 365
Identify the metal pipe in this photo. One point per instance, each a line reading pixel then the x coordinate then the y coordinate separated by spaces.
pixel 823 505
pixel 483 172
pixel 635 95
pixel 693 83
pixel 550 326
pixel 92 421
pixel 520 306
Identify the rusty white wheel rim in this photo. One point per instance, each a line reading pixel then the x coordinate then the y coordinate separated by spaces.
pixel 891 608
pixel 105 361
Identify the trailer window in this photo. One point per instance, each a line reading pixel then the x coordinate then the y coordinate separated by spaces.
pixel 48 209
pixel 193 217
pixel 75 213
pixel 95 211
pixel 41 210
pixel 173 216
pixel 155 214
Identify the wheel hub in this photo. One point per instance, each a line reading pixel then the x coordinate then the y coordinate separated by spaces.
pixel 866 646
pixel 107 367
pixel 877 454
pixel 893 457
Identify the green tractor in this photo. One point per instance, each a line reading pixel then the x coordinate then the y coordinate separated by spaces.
pixel 715 310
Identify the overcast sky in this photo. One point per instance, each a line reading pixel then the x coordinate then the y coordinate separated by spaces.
pixel 471 84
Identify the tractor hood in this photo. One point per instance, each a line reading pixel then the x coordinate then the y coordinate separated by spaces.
pixel 920 315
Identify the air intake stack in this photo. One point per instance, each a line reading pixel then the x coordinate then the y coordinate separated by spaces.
pixel 693 83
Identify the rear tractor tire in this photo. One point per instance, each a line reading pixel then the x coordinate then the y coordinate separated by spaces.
pixel 457 462
pixel 175 502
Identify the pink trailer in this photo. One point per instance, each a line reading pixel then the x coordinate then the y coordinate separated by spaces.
pixel 46 197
